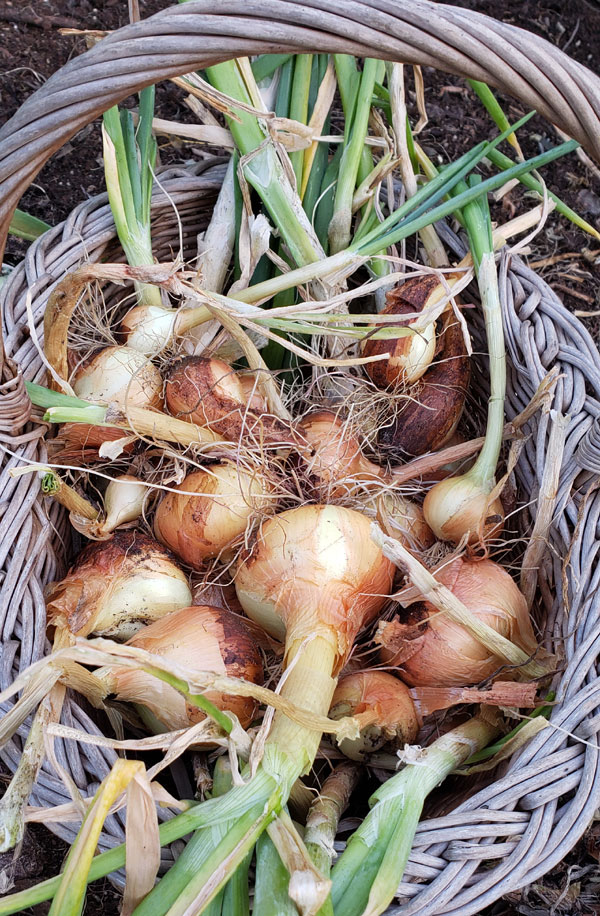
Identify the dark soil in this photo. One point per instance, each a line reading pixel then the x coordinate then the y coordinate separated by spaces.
pixel 32 48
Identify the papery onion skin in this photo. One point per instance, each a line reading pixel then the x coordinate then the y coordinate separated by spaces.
pixel 434 651
pixel 431 413
pixel 459 507
pixel 199 638
pixel 331 455
pixel 121 376
pixel 197 528
pixel 387 705
pixel 82 442
pixel 117 586
pixel 403 519
pixel 314 569
pixel 210 393
pixel 410 356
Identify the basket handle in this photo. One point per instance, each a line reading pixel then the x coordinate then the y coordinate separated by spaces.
pixel 192 36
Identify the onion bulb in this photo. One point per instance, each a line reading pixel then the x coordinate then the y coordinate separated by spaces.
pixel 314 570
pixel 123 503
pixel 224 499
pixel 432 650
pixel 150 328
pixel 427 419
pixel 332 457
pixel 385 710
pixel 117 586
pixel 121 376
pixel 210 393
pixel 460 507
pixel 411 355
pixel 402 519
pixel 199 638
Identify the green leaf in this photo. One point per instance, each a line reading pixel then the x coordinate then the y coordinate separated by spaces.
pixel 27 227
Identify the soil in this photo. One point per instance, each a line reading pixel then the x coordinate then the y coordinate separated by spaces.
pixel 32 48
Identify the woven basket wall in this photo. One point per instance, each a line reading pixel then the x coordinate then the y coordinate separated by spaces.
pixel 522 824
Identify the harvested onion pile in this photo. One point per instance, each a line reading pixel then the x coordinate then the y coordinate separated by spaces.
pixel 259 465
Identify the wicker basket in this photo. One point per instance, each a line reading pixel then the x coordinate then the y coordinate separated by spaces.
pixel 524 823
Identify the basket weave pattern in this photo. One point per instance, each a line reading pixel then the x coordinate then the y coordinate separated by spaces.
pixel 525 822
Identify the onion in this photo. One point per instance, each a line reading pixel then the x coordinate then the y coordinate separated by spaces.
pixel 314 571
pixel 460 507
pixel 225 499
pixel 123 503
pixel 385 710
pixel 402 519
pixel 210 393
pixel 200 638
pixel 332 457
pixel 411 355
pixel 428 418
pixel 434 651
pixel 117 586
pixel 121 376
pixel 150 328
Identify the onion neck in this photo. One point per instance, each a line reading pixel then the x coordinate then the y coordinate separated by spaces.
pixel 309 684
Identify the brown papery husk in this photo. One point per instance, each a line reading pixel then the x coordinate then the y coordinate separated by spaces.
pixel 117 586
pixel 384 707
pixel 412 296
pixel 227 499
pixel 82 442
pixel 429 415
pixel 432 650
pixel 501 693
pixel 210 393
pixel 314 569
pixel 201 637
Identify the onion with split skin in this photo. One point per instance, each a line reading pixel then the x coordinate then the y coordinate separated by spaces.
pixel 431 650
pixel 199 638
pixel 117 586
pixel 428 417
pixel 384 708
pixel 210 393
pixel 224 499
pixel 410 355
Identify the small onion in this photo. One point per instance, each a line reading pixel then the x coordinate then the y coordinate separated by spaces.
pixel 225 499
pixel 403 519
pixel 199 638
pixel 411 355
pixel 331 454
pixel 148 328
pixel 434 651
pixel 460 507
pixel 117 586
pixel 384 708
pixel 121 376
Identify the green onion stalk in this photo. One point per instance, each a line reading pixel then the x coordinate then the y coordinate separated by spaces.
pixel 234 898
pixel 314 577
pixel 271 897
pixel 129 159
pixel 467 505
pixel 412 216
pixel 368 872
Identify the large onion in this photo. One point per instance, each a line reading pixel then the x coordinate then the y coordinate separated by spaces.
pixel 199 638
pixel 432 650
pixel 117 586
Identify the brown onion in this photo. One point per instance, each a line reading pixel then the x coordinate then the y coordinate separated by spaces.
pixel 201 526
pixel 430 415
pixel 210 393
pixel 385 710
pixel 333 461
pixel 199 638
pixel 117 586
pixel 432 650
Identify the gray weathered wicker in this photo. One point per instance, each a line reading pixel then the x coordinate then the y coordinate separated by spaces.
pixel 521 825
